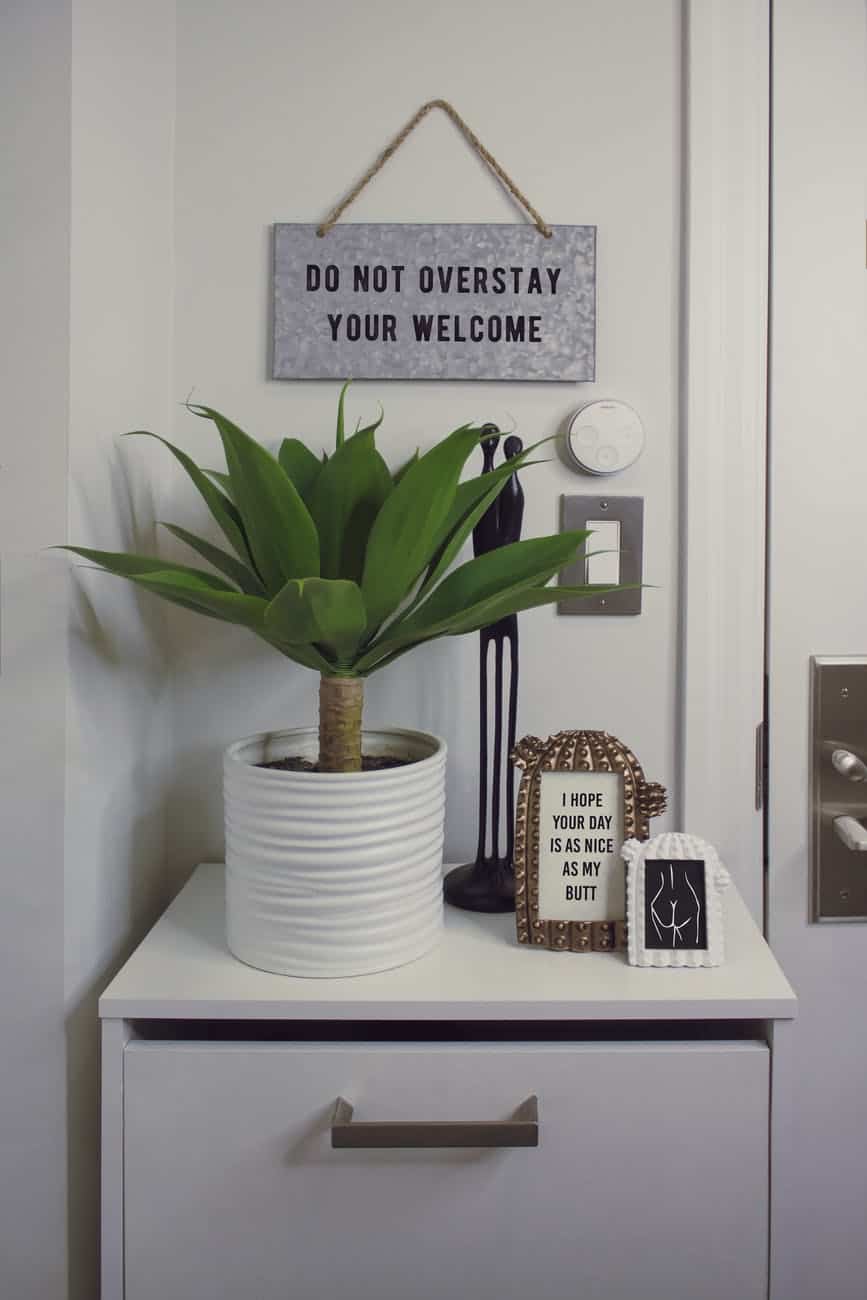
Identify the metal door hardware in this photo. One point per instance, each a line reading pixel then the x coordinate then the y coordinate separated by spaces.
pixel 838 788
pixel 852 833
pixel 761 765
pixel 522 1130
pixel 849 765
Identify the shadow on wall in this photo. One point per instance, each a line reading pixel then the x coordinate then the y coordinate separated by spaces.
pixel 436 689
pixel 146 893
pixel 144 804
pixel 256 689
pixel 117 877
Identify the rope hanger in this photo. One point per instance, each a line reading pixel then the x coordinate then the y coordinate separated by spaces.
pixel 472 139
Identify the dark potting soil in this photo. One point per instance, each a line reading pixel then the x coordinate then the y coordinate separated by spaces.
pixel 369 763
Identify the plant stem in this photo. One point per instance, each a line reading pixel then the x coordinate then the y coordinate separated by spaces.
pixel 341 700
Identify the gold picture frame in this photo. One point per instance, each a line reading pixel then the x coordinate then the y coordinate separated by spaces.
pixel 579 752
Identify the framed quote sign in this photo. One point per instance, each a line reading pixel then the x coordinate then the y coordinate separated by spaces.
pixel 674 884
pixel 582 794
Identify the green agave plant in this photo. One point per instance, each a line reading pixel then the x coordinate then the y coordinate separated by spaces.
pixel 343 566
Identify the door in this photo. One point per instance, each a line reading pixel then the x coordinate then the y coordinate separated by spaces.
pixel 817 606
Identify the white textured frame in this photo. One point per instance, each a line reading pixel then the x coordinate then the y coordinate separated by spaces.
pixel 727 177
pixel 676 846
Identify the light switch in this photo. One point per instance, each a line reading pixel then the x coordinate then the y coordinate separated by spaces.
pixel 617 525
pixel 603 559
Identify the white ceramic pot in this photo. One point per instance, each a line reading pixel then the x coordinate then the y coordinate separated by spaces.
pixel 333 874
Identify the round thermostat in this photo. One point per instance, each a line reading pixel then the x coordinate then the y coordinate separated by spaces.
pixel 604 437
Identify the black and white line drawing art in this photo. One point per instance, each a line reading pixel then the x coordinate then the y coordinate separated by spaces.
pixel 676 919
pixel 674 888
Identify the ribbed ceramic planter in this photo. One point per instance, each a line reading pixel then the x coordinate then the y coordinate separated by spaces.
pixel 333 874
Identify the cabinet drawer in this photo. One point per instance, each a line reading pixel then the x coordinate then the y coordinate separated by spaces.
pixel 650 1177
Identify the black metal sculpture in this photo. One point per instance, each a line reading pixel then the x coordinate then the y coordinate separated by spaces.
pixel 488 884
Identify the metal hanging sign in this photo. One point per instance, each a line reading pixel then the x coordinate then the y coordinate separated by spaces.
pixel 434 301
pixel 398 301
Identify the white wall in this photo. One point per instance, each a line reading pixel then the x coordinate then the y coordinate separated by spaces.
pixel 818 605
pixel 278 107
pixel 139 183
pixel 34 349
pixel 118 737
pixel 276 115
pixel 86 173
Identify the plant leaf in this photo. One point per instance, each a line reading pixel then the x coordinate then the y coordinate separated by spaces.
pixel 489 611
pixel 299 464
pixel 134 566
pixel 371 428
pixel 191 592
pixel 341 401
pixel 518 600
pixel 222 480
pixel 344 503
pixel 140 569
pixel 281 533
pixel 472 500
pixel 534 560
pixel 243 577
pixel 404 535
pixel 399 473
pixel 137 568
pixel 440 563
pixel 224 511
pixel 326 611
pixel 470 492
pixel 305 655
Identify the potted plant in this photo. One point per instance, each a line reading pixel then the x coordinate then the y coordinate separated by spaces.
pixel 334 839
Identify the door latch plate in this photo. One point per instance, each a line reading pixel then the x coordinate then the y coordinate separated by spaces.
pixel 838 873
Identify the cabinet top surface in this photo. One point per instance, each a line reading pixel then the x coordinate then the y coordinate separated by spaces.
pixel 183 970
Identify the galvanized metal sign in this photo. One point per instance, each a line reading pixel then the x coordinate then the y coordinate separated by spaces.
pixel 434 302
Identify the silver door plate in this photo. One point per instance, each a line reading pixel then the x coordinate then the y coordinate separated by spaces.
pixel 838 722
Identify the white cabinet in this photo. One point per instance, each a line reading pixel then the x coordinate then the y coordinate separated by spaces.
pixel 220 1180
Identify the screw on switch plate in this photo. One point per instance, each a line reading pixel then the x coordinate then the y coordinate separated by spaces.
pixel 612 555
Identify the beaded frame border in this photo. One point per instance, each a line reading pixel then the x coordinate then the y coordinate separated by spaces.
pixel 573 751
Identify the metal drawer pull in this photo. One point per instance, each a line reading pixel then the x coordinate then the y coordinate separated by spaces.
pixel 522 1130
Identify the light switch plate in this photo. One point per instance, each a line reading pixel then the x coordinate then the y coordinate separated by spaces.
pixel 576 512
